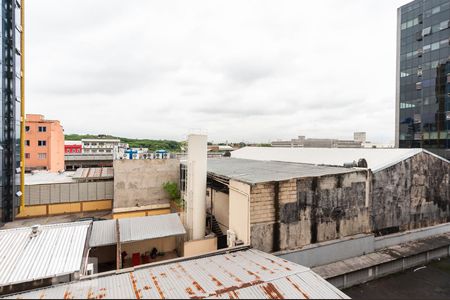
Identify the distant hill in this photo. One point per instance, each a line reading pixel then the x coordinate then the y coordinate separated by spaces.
pixel 171 146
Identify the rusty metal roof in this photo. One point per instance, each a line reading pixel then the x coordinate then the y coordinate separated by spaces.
pixel 240 274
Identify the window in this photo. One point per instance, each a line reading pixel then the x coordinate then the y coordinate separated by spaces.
pixel 443 25
pixel 42 155
pixel 27 143
pixel 42 129
pixel 27 128
pixel 27 155
pixel 42 143
pixel 435 46
pixel 418 86
pixel 435 10
pixel 426 31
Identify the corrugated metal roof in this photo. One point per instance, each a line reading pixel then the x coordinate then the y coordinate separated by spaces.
pixel 103 233
pixel 93 173
pixel 55 250
pixel 377 159
pixel 151 227
pixel 256 171
pixel 241 274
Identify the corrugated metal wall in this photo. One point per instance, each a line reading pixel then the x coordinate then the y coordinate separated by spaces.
pixel 68 192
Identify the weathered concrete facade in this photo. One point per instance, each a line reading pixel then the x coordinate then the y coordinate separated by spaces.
pixel 411 194
pixel 140 182
pixel 294 213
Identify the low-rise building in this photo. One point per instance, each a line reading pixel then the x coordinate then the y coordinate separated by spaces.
pixel 73 147
pixel 44 144
pixel 390 190
pixel 303 142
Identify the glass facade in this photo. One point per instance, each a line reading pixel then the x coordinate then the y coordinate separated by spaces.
pixel 423 99
pixel 10 108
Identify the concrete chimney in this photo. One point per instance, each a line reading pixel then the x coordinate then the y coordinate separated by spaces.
pixel 196 185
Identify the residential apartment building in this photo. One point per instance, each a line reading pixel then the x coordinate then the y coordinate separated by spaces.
pixel 423 76
pixel 11 99
pixel 44 144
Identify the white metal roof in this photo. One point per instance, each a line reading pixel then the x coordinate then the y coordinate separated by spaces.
pixel 45 177
pixel 55 250
pixel 377 159
pixel 103 233
pixel 243 274
pixel 151 227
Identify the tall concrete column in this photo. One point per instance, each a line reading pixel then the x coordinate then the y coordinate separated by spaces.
pixel 196 185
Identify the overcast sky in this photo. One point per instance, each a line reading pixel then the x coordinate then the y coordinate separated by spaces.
pixel 240 70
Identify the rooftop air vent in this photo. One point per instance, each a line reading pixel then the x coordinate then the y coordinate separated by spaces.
pixel 35 230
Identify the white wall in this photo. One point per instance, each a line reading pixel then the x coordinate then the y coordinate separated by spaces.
pixel 239 210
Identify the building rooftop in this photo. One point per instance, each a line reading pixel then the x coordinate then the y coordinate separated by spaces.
pixel 257 171
pixel 377 159
pixel 246 274
pixel 53 251
pixel 44 177
pixel 93 173
pixel 136 229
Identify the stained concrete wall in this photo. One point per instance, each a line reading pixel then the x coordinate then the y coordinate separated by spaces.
pixel 294 213
pixel 140 182
pixel 412 194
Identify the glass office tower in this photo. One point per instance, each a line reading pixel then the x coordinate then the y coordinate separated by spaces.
pixel 423 76
pixel 10 108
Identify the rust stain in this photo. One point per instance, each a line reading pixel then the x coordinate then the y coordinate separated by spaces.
pixel 137 292
pixel 216 281
pixel 164 275
pixel 233 288
pixel 198 286
pixel 298 288
pixel 158 288
pixel 42 296
pixel 190 291
pixel 67 295
pixel 272 291
pixel 147 287
pixel 253 274
pixel 233 295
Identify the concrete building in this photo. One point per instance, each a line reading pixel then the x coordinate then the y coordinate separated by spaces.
pixel 51 194
pixel 311 197
pixel 423 81
pixel 104 146
pixel 73 147
pixel 11 108
pixel 138 186
pixel 44 144
pixel 73 161
pixel 240 273
pixel 360 137
pixel 303 142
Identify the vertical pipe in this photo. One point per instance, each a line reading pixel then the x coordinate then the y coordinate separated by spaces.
pixel 196 185
pixel 22 106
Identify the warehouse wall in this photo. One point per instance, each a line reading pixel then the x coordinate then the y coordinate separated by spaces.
pixel 140 182
pixel 291 214
pixel 68 192
pixel 412 194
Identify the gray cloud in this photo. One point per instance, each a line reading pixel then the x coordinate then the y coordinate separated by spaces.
pixel 251 71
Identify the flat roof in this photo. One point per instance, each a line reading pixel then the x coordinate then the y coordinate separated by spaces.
pixel 377 159
pixel 54 251
pixel 256 171
pixel 44 177
pixel 246 274
pixel 136 229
